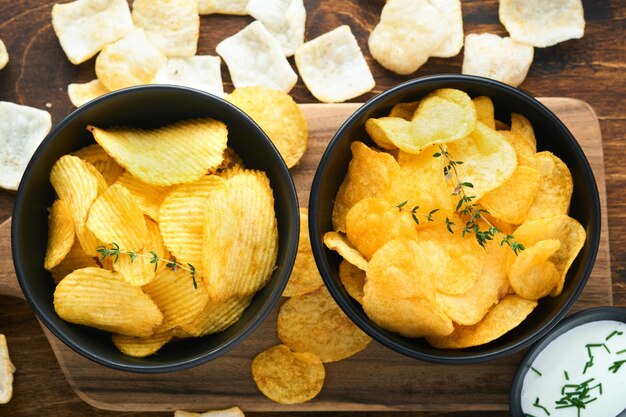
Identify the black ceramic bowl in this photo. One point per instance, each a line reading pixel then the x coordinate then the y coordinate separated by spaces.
pixel 575 320
pixel 146 106
pixel 552 135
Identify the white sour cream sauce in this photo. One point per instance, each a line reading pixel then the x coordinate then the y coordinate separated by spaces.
pixel 568 353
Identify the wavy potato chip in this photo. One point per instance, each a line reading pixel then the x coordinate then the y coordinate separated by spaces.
pixel 231 160
pixel 4 55
pixel 305 276
pixel 148 196
pixel 92 154
pixel 532 275
pixel 201 72
pixel 453 42
pixel 353 280
pixel 80 94
pixel 75 259
pixel 193 148
pixel 485 112
pixel 99 298
pixel 339 243
pixel 314 323
pixel 217 316
pixel 60 234
pixel 140 347
pixel 229 412
pixel 284 19
pixel 523 150
pixel 502 318
pixel 288 377
pixel 6 372
pixel 279 117
pixel 333 67
pixel 555 186
pixel 383 129
pixel 404 110
pixel 522 127
pixel 236 7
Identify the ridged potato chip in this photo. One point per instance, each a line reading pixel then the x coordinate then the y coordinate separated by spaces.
pixel 140 347
pixel 60 234
pixel 92 154
pixel 148 196
pixel 80 94
pixel 201 72
pixel 6 372
pixel 102 162
pixel 231 160
pixel 502 318
pixel 532 275
pixel 217 316
pixel 314 323
pixel 404 110
pixel 284 19
pixel 75 259
pixel 173 27
pixel 399 292
pixel 99 298
pixel 340 243
pixel 485 112
pixel 522 126
pixel 229 412
pixel 193 148
pixel 353 280
pixel 370 174
pixel 279 117
pixel 240 236
pixel 555 187
pixel 116 217
pixel 288 377
pixel 305 276
pixel 236 7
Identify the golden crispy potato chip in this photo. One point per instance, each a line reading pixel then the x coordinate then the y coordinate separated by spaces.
pixel 485 111
pixel 314 323
pixel 96 156
pixel 532 275
pixel 80 94
pixel 6 372
pixel 568 231
pixel 240 236
pixel 399 292
pixel 370 174
pixel 148 196
pixel 231 160
pixel 283 19
pixel 372 222
pixel 92 154
pixel 217 316
pixel 140 347
pixel 60 234
pixel 102 184
pixel 116 217
pixel 505 316
pixel 353 280
pixel 555 187
pixel 305 276
pixel 181 218
pixel 173 28
pixel 523 149
pixel 288 377
pixel 510 201
pixel 382 130
pixel 75 259
pixel 99 298
pixel 279 117
pixel 404 110
pixel 339 243
pixel 522 126
pixel 229 412
pixel 132 60
pixel 75 184
pixel 193 148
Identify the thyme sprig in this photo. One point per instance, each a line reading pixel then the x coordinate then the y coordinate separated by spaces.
pixel 415 213
pixel 114 252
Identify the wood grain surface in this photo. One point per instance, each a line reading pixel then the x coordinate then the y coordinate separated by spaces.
pixel 592 69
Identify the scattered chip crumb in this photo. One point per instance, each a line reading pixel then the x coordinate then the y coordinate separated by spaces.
pixel 82 93
pixel 284 19
pixel 4 55
pixel 229 412
pixel 502 59
pixel 6 372
pixel 236 7
pixel 333 67
pixel 201 72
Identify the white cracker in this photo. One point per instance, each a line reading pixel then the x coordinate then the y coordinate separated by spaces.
pixel 543 23
pixel 201 72
pixel 236 7
pixel 173 27
pixel 230 412
pixel 333 67
pixel 132 60
pixel 254 57
pixel 84 27
pixel 4 55
pixel 284 19
pixel 82 93
pixel 22 129
pixel 501 59
pixel 451 10
pixel 6 372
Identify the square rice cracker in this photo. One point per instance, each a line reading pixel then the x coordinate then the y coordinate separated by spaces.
pixel 84 27
pixel 333 67
pixel 6 372
pixel 22 129
pixel 254 58
pixel 284 19
pixel 236 7
pixel 201 72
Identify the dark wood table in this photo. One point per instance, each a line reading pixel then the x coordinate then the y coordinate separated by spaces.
pixel 592 69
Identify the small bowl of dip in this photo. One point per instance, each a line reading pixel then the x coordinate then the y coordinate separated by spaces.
pixel 578 369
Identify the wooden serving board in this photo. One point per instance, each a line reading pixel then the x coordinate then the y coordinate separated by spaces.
pixel 374 379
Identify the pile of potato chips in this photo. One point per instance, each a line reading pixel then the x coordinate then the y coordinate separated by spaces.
pixel 159 234
pixel 399 221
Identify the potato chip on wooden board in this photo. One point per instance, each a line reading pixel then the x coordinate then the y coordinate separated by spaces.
pixel 4 55
pixel 201 72
pixel 148 196
pixel 6 372
pixel 340 243
pixel 543 23
pixel 451 11
pixel 255 58
pixel 130 61
pixel 555 186
pixel 279 117
pixel 314 323
pixel 172 154
pixel 99 298
pixel 408 33
pixel 305 276
pixel 75 259
pixel 60 234
pixel 22 129
pixel 532 275
pixel 288 377
pixel 236 7
pixel 229 412
pixel 284 19
pixel 333 67
pixel 353 280
pixel 172 26
pixel 140 347
pixel 80 94
pixel 217 316
pixel 84 27
pixel 502 59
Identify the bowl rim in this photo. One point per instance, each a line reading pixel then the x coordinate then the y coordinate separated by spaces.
pixel 359 318
pixel 590 315
pixel 193 360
